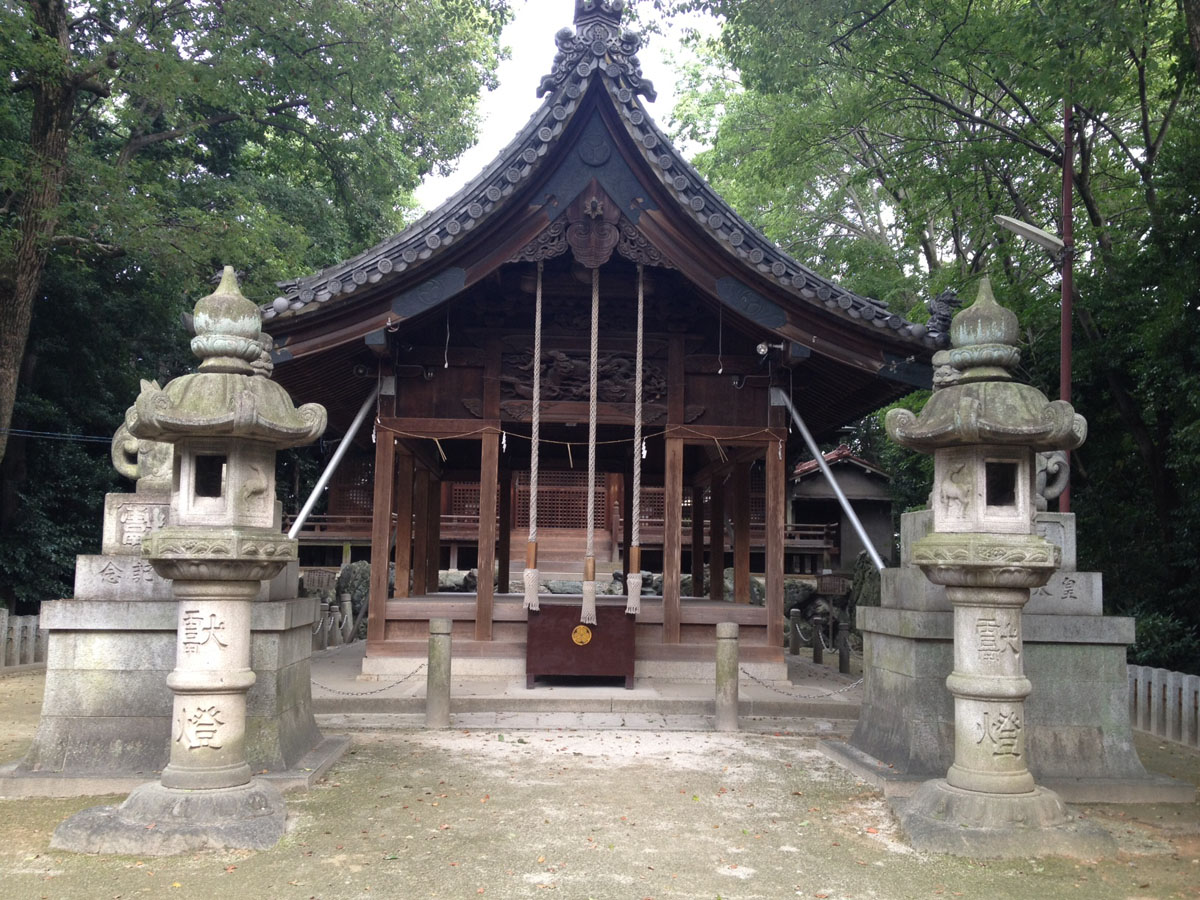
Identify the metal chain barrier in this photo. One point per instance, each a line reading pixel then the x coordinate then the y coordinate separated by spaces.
pixel 378 690
pixel 792 695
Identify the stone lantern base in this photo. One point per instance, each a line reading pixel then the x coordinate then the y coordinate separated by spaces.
pixel 941 818
pixel 160 821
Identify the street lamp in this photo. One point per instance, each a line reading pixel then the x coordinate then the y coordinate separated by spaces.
pixel 1062 252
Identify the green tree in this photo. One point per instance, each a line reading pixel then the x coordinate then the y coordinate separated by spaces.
pixel 132 112
pixel 276 138
pixel 880 141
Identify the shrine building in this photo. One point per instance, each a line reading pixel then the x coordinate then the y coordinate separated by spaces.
pixel 586 325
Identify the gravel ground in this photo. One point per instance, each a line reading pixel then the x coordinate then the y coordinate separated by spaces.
pixel 588 814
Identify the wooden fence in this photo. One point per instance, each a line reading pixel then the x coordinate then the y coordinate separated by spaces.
pixel 21 643
pixel 1166 704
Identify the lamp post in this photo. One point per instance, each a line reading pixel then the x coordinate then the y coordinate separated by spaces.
pixel 1063 252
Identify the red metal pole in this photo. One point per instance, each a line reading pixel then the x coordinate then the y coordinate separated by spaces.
pixel 1064 378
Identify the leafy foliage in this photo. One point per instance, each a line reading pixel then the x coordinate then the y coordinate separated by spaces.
pixel 879 142
pixel 277 138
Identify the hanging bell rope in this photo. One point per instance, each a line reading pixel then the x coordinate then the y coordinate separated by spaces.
pixel 588 612
pixel 532 576
pixel 633 581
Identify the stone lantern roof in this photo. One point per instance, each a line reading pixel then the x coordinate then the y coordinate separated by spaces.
pixel 231 395
pixel 975 399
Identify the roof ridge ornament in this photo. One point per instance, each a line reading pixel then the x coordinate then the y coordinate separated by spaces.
pixel 597 43
pixel 606 10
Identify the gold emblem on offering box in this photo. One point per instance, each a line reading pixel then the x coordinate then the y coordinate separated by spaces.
pixel 581 635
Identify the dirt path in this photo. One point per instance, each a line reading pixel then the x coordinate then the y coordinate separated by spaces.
pixel 585 814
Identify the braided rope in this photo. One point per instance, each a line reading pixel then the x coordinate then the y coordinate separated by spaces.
pixel 532 577
pixel 636 527
pixel 588 612
pixel 633 582
pixel 535 435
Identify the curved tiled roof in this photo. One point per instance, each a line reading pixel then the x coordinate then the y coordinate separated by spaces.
pixel 597 50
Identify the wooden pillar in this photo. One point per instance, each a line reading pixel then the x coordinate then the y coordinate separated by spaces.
pixel 716 540
pixel 489 466
pixel 381 532
pixel 433 545
pixel 404 529
pixel 741 532
pixel 488 475
pixel 504 548
pixel 673 490
pixel 697 540
pixel 776 512
pixel 420 556
pixel 672 539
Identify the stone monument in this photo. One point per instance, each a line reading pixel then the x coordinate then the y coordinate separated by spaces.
pixel 105 717
pixel 221 540
pixel 984 430
pixel 1078 737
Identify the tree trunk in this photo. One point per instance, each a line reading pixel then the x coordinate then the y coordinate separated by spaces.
pixel 1191 13
pixel 54 100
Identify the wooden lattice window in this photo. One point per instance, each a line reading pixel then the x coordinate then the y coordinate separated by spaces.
pixel 562 500
pixel 352 488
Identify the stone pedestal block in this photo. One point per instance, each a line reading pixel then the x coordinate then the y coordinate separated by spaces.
pixel 1079 738
pixel 161 821
pixel 107 709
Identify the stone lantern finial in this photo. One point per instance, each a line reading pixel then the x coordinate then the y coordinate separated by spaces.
pixel 983 339
pixel 227 328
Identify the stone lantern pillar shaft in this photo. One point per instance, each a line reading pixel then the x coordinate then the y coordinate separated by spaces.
pixel 989 688
pixel 211 678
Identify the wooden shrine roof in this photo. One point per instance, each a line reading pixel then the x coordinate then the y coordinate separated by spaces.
pixel 593 133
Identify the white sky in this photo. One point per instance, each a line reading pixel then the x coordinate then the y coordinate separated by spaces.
pixel 503 112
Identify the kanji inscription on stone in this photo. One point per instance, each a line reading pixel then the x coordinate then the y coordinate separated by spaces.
pixel 110 573
pixel 996 635
pixel 1002 731
pixel 199 629
pixel 199 729
pixel 138 521
pixel 142 570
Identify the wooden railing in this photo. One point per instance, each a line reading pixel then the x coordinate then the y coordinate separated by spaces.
pixel 21 640
pixel 813 537
pixel 324 525
pixel 1166 704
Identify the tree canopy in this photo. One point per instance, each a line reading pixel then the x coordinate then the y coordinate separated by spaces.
pixel 143 144
pixel 879 142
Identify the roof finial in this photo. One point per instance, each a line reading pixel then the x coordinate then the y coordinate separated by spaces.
pixel 606 10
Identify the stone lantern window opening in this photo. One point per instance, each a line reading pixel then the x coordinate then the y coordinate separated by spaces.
pixel 210 475
pixel 1000 483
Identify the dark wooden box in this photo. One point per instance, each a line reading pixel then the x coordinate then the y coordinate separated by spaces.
pixel 554 646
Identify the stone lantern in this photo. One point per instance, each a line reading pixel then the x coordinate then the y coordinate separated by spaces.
pixel 226 422
pixel 984 430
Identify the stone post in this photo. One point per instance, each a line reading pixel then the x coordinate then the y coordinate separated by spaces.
pixel 843 645
pixel 437 675
pixel 818 646
pixel 794 631
pixel 347 619
pixel 983 429
pixel 226 421
pixel 727 677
